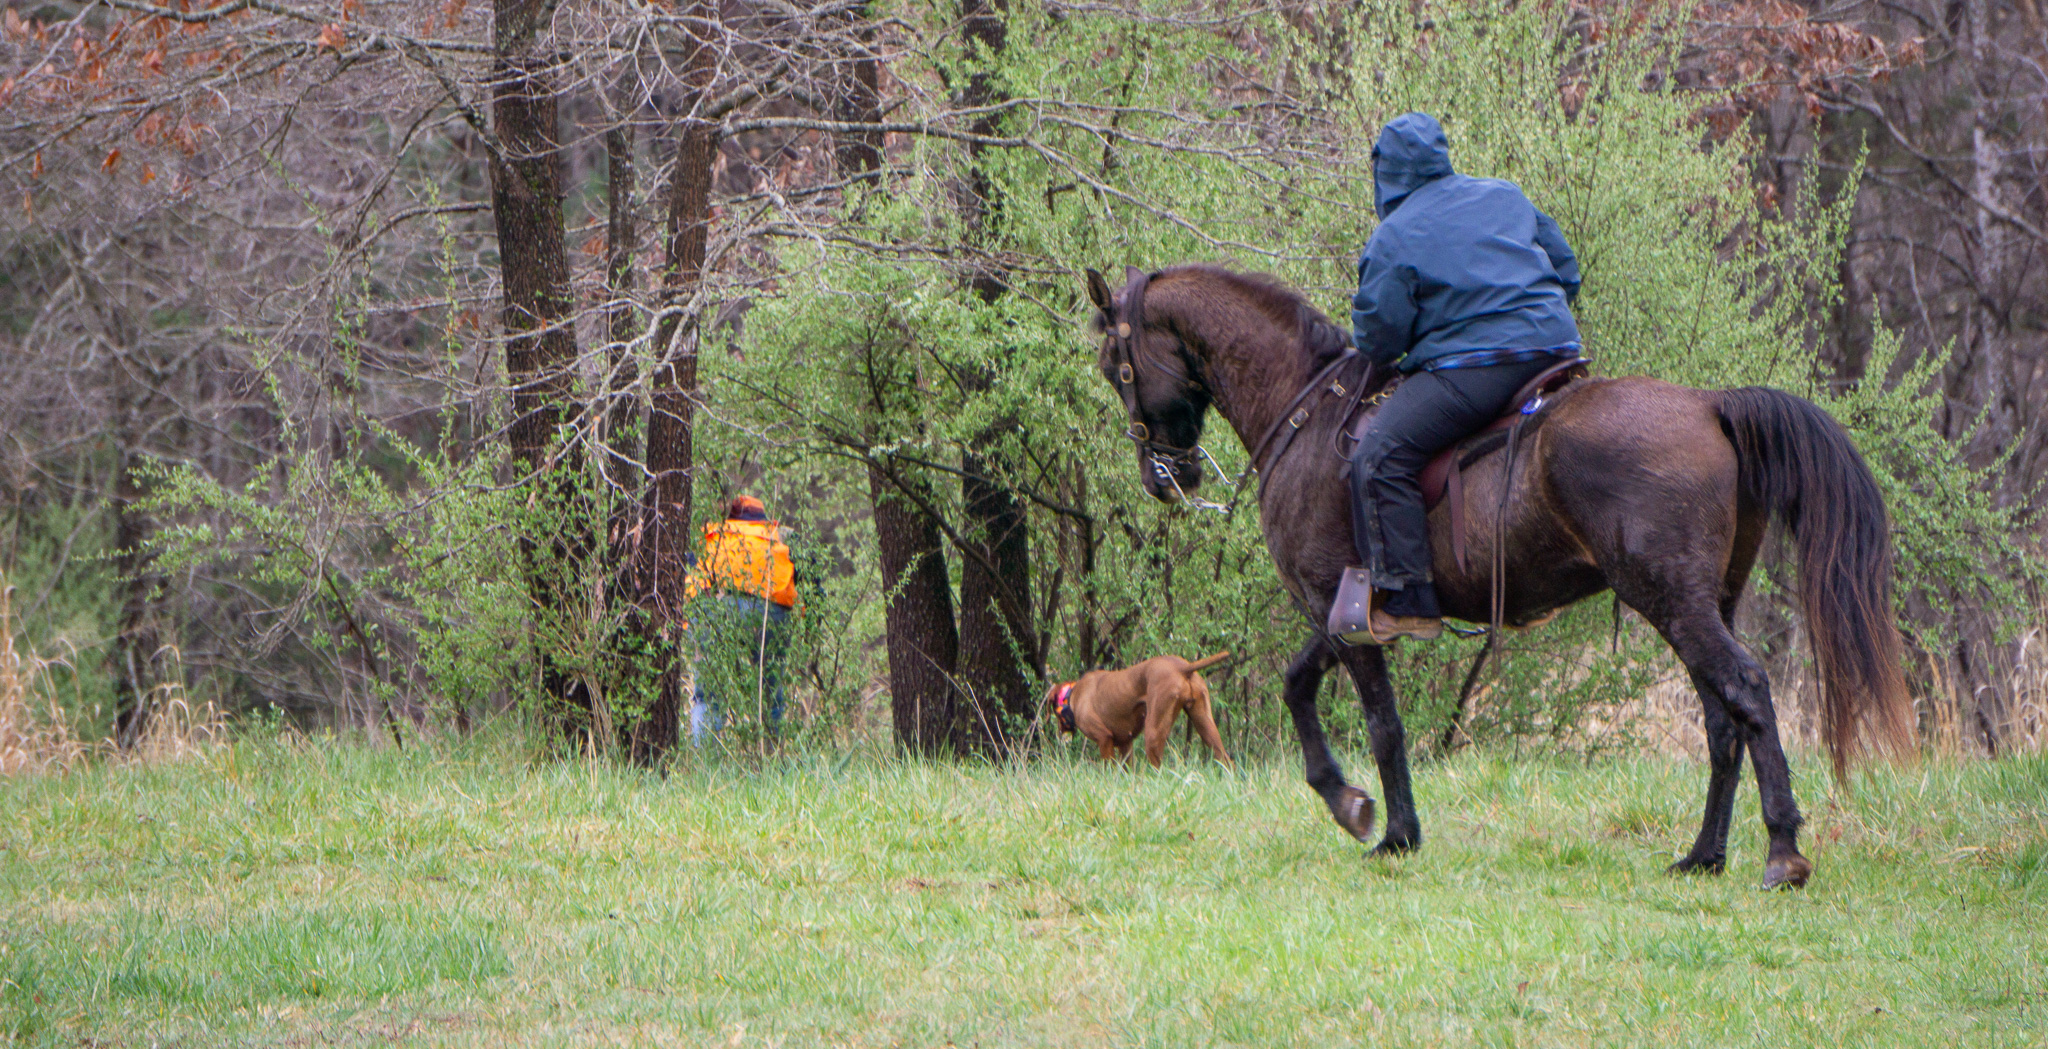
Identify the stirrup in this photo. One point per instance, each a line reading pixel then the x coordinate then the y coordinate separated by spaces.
pixel 1351 613
pixel 1355 621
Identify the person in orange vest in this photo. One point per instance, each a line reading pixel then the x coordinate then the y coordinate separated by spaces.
pixel 743 588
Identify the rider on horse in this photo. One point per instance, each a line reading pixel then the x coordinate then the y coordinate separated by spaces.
pixel 1466 289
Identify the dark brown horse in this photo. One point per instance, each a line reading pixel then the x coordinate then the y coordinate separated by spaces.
pixel 1659 492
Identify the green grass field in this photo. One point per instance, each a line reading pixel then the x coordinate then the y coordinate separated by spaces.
pixel 328 894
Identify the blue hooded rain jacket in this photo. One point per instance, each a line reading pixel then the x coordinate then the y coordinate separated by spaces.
pixel 1457 263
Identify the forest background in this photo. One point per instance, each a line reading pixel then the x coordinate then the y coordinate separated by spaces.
pixel 374 364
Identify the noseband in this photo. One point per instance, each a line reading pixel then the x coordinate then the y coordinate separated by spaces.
pixel 1127 333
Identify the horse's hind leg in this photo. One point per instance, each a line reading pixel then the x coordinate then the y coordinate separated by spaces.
pixel 1709 853
pixel 1351 807
pixel 1368 667
pixel 1724 741
pixel 1728 677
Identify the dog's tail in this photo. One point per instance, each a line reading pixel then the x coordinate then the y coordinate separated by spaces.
pixel 1204 664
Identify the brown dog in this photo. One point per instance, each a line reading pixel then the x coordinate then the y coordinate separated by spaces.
pixel 1112 707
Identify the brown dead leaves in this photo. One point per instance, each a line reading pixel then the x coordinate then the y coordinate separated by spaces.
pixel 1755 51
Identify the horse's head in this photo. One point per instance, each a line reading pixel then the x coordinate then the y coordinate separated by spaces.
pixel 1159 379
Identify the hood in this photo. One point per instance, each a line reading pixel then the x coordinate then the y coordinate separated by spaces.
pixel 1412 151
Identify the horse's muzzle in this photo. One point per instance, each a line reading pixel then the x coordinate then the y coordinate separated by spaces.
pixel 1167 480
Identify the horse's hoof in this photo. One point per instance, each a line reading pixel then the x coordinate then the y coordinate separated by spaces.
pixel 1393 847
pixel 1354 813
pixel 1689 865
pixel 1788 873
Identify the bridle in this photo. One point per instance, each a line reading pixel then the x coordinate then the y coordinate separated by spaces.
pixel 1126 329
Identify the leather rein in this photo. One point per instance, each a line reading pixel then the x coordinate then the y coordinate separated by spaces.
pixel 1297 413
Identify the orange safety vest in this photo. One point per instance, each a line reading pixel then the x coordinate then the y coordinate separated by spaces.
pixel 747 556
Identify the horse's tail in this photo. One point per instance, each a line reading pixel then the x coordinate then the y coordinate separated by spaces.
pixel 1798 463
pixel 1206 662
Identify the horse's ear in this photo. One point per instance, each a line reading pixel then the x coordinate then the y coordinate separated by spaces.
pixel 1132 273
pixel 1098 290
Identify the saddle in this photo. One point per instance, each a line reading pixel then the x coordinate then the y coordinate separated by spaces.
pixel 1444 476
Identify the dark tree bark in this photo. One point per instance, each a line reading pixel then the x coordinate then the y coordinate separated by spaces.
pixel 998 638
pixel 859 100
pixel 540 344
pixel 620 434
pixel 665 519
pixel 139 644
pixel 923 647
pixel 635 632
pixel 922 641
pixel 137 654
pixel 981 22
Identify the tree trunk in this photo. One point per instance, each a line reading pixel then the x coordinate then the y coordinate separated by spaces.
pixel 997 635
pixel 665 540
pixel 923 647
pixel 621 436
pixel 922 641
pixel 139 641
pixel 540 343
pixel 637 684
pixel 138 651
pixel 1988 371
pixel 859 101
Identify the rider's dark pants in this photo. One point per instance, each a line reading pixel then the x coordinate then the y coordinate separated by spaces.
pixel 1427 413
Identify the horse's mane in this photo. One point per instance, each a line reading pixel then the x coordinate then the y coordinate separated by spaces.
pixel 1316 332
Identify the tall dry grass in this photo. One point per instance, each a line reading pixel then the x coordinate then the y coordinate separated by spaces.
pixel 37 733
pixel 2000 709
pixel 2027 726
pixel 176 728
pixel 35 730
pixel 2012 710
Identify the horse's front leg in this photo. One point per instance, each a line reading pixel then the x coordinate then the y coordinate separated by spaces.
pixel 1368 669
pixel 1351 807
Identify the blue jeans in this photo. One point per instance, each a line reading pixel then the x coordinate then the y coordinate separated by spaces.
pixel 745 637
